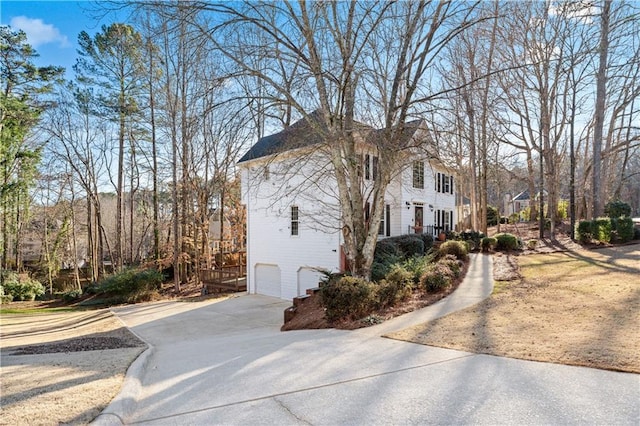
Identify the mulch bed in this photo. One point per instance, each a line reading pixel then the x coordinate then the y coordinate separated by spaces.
pixel 310 315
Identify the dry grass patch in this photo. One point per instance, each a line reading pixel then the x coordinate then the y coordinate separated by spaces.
pixel 576 308
pixel 62 368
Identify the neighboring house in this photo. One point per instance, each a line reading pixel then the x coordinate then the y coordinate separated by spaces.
pixel 516 204
pixel 290 192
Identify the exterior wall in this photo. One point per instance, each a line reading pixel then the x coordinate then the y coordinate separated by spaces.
pixel 428 198
pixel 268 197
pixel 269 239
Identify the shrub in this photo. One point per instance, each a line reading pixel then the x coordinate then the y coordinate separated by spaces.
pixel 427 239
pixel 131 285
pixel 390 293
pixel 382 265
pixel 531 244
pixel 622 229
pixel 636 233
pixel 437 277
pixel 561 213
pixel 384 248
pixel 21 287
pixel 456 248
pixel 473 238
pixel 347 298
pixel 71 295
pixel 411 245
pixel 488 243
pixel 399 275
pixel 506 241
pixel 584 232
pixel 5 298
pixel 451 262
pixel 601 229
pixel 416 266
pixel 617 209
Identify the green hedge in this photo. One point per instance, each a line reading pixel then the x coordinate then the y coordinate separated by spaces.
pixel 583 231
pixel 623 229
pixel 601 229
pixel 605 229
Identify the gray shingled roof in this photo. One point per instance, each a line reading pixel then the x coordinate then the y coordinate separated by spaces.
pixel 304 132
pixel 308 131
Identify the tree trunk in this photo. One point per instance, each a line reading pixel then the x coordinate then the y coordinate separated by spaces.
pixel 601 95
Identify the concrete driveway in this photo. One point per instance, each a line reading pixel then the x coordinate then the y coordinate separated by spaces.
pixel 227 363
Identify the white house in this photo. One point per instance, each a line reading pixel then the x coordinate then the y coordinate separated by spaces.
pixel 290 193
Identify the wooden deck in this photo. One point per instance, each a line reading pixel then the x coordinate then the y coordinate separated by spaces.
pixel 229 278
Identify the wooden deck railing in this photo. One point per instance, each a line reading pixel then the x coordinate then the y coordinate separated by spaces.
pixel 225 278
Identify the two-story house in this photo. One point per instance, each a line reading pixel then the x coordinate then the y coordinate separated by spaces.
pixel 293 221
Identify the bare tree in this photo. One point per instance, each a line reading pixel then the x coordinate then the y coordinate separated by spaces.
pixel 347 55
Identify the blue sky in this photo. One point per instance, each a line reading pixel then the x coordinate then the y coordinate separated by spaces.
pixel 52 27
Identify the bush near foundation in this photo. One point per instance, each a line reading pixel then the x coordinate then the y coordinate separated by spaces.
pixel 348 297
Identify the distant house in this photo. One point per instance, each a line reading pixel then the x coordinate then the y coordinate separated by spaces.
pixel 290 194
pixel 517 204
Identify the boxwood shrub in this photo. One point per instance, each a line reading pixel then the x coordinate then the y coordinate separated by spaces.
pixel 488 243
pixel 583 231
pixel 622 229
pixel 601 229
pixel 506 241
pixel 397 286
pixel 617 209
pixel 348 297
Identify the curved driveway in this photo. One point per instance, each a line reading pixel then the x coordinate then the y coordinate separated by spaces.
pixel 227 362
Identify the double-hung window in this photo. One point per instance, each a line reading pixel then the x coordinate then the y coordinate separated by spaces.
pixel 295 221
pixel 418 174
pixel 370 167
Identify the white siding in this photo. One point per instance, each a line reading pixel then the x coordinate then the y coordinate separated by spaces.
pixel 269 239
pixel 305 181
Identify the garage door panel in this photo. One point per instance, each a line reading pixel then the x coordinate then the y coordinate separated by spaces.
pixel 268 281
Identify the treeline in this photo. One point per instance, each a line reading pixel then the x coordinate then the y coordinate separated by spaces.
pixel 517 95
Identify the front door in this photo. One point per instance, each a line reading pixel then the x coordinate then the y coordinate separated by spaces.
pixel 418 219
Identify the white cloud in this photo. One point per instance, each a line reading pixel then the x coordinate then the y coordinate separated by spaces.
pixel 39 33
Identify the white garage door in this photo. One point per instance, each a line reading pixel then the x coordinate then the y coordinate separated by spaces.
pixel 307 278
pixel 268 280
